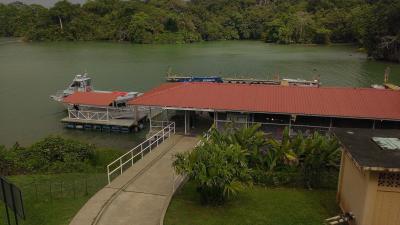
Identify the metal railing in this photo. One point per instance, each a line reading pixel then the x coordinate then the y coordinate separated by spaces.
pixel 128 159
pixel 89 115
pixel 155 124
pixel 276 129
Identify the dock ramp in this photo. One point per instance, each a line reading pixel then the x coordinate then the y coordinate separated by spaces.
pixel 141 194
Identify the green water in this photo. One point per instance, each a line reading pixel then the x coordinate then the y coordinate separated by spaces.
pixel 30 72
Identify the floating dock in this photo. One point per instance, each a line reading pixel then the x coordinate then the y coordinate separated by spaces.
pixel 115 125
pixel 217 79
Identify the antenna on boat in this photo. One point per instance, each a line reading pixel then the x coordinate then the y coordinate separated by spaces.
pixel 386 76
pixel 169 71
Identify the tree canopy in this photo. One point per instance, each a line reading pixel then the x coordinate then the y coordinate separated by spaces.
pixel 372 24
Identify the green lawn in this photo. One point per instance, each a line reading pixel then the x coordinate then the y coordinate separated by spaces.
pixel 57 203
pixel 257 205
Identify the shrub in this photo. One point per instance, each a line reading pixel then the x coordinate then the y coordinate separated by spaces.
pixel 54 154
pixel 219 169
pixel 310 161
pixel 317 154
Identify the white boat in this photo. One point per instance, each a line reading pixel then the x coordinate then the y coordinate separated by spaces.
pixel 301 82
pixel 81 83
pixel 79 97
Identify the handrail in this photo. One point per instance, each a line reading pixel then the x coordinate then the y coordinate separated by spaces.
pixel 140 149
pixel 292 127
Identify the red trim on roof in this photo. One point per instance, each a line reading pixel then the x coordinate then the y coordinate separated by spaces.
pixel 324 101
pixel 93 98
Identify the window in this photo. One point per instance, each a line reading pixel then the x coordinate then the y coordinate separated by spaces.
pixel 389 180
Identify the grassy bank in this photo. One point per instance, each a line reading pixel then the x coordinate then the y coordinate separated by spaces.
pixel 258 205
pixel 55 199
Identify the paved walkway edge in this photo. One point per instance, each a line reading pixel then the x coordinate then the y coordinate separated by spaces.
pixel 179 185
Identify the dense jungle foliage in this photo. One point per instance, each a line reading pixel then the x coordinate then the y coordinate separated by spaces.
pixel 228 161
pixel 54 154
pixel 374 25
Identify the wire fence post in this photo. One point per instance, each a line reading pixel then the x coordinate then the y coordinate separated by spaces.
pixel 86 187
pixel 51 193
pixel 36 191
pixel 73 189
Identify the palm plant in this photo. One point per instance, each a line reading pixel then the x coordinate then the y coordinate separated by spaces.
pixel 317 154
pixel 218 168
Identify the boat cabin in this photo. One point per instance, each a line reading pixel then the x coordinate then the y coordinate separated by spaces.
pixel 81 83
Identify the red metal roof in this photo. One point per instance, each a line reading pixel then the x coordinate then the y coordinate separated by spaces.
pixel 93 98
pixel 324 101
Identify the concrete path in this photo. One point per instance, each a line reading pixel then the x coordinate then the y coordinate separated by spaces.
pixel 141 194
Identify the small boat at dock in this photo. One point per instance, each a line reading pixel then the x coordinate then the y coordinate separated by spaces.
pixel 386 84
pixel 90 109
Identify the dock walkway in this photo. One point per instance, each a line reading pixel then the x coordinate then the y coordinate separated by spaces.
pixel 141 194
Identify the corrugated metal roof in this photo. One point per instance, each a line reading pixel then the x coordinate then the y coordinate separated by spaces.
pixel 93 98
pixel 323 101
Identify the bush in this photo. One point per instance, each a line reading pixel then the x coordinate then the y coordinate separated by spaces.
pixel 224 163
pixel 54 154
pixel 219 170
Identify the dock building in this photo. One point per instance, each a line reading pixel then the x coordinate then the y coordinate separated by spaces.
pixel 275 107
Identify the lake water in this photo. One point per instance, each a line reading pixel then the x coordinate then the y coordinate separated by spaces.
pixel 30 72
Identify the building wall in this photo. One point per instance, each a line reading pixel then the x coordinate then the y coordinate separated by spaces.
pixel 352 189
pixel 373 197
pixel 387 203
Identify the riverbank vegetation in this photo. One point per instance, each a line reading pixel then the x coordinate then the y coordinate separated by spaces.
pixel 371 24
pixel 228 162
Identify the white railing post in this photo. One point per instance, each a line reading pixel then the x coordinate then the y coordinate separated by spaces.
pixel 108 174
pixel 132 157
pixel 120 164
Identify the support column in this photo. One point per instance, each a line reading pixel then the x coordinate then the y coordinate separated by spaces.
pixel 108 117
pixel 186 123
pixel 150 119
pixel 216 119
pixel 136 113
